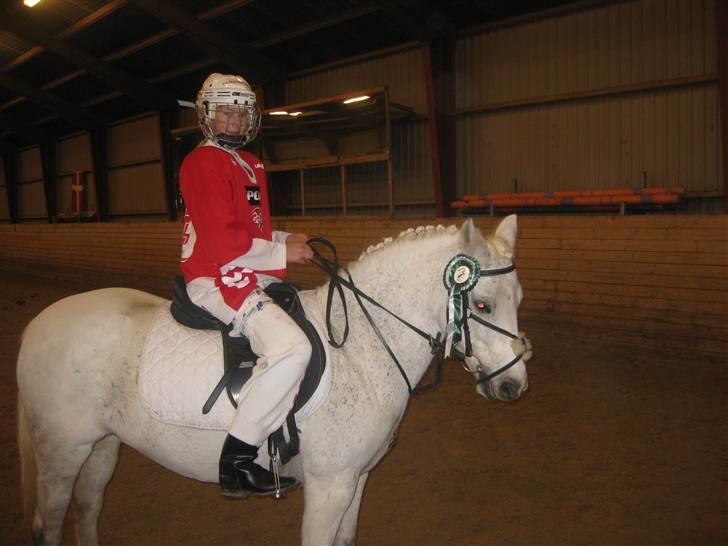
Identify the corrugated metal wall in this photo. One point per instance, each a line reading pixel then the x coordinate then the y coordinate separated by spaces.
pixel 622 43
pixel 661 137
pixel 402 73
pixel 668 136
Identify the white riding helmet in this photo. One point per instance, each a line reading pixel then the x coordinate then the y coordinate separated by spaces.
pixel 231 94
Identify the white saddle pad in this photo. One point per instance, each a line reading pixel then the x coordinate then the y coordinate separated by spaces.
pixel 181 366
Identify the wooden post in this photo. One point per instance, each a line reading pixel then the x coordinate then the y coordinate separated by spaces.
pixel 390 185
pixel 164 126
pixel 100 154
pixel 439 64
pixel 721 44
pixel 49 163
pixel 303 195
pixel 10 166
pixel 343 189
pixel 388 133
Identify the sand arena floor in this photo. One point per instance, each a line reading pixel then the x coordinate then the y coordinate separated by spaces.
pixel 611 445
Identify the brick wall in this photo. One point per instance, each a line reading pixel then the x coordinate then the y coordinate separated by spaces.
pixel 650 280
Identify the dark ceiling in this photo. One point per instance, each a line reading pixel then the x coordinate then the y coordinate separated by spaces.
pixel 67 65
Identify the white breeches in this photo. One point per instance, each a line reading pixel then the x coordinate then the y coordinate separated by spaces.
pixel 284 352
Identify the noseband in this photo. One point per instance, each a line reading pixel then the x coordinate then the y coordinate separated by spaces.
pixel 462 283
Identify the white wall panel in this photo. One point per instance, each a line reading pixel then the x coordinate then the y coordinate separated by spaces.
pixel 29 165
pixel 74 154
pixel 134 190
pixel 136 140
pixel 31 201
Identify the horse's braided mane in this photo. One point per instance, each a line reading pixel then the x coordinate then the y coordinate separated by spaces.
pixel 408 235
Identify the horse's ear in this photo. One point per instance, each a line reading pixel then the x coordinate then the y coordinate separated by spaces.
pixel 505 236
pixel 471 240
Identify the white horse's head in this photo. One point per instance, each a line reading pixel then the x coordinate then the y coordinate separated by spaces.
pixel 493 302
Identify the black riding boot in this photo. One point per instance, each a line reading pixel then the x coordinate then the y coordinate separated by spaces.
pixel 241 477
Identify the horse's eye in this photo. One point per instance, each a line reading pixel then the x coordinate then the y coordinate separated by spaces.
pixel 483 307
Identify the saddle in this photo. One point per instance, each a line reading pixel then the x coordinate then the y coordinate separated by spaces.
pixel 239 359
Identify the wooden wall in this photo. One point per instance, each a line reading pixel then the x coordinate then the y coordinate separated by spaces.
pixel 649 280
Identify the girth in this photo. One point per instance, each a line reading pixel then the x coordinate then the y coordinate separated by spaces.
pixel 239 358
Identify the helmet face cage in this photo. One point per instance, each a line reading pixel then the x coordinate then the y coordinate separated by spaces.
pixel 239 127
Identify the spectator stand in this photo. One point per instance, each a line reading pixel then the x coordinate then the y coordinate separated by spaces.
pixel 607 200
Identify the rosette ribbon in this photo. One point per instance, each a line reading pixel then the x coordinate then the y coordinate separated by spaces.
pixel 460 276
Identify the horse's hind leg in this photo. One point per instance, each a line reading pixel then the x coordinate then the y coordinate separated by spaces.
pixel 95 476
pixel 346 535
pixel 58 466
pixel 326 499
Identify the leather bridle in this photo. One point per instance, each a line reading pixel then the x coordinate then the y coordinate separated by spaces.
pixel 437 343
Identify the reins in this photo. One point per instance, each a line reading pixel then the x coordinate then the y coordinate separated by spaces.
pixel 437 344
pixel 331 268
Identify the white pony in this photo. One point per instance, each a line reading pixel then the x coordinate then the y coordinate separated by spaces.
pixel 78 396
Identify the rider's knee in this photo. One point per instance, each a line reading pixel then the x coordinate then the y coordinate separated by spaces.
pixel 302 349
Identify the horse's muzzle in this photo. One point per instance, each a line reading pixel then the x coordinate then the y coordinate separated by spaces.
pixel 505 391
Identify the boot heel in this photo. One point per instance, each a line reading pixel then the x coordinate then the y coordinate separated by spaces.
pixel 234 494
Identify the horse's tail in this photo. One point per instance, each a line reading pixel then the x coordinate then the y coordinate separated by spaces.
pixel 28 469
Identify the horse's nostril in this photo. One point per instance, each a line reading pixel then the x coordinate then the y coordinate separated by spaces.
pixel 508 390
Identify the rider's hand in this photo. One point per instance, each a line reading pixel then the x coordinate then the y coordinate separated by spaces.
pixel 297 251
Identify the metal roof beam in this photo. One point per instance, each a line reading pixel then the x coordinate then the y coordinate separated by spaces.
pixel 241 57
pixel 67 110
pixel 354 13
pixel 143 93
pixel 360 11
pixel 129 50
pixel 75 28
pixel 6 146
pixel 423 23
pixel 25 130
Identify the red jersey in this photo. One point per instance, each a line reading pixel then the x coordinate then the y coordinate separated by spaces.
pixel 227 233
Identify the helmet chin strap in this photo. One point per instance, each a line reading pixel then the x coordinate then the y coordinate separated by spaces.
pixel 230 142
pixel 233 152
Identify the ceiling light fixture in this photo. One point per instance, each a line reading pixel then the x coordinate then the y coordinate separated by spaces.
pixel 295 114
pixel 30 3
pixel 356 99
pixel 278 113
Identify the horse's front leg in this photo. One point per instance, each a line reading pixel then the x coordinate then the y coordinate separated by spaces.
pixel 326 500
pixel 346 536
